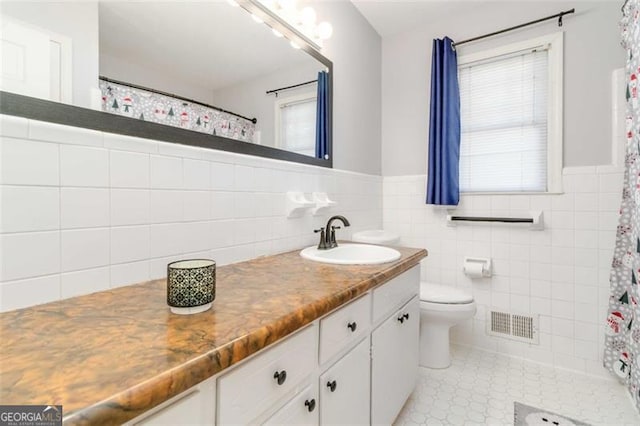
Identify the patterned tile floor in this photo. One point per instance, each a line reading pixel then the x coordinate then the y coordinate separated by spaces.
pixel 480 387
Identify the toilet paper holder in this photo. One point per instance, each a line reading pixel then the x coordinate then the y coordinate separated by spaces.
pixel 477 267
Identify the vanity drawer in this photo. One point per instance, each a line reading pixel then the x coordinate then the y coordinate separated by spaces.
pixel 301 410
pixel 344 327
pixel 390 296
pixel 195 406
pixel 255 386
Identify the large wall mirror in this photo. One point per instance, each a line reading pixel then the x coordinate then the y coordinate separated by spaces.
pixel 234 78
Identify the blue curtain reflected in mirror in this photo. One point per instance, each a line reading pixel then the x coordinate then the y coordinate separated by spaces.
pixel 322 121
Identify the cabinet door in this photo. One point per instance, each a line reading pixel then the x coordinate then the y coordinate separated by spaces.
pixel 345 387
pixel 195 406
pixel 394 362
pixel 301 410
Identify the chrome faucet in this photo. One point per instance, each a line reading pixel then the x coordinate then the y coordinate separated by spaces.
pixel 328 233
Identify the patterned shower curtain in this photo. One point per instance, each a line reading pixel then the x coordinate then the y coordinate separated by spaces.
pixel 622 340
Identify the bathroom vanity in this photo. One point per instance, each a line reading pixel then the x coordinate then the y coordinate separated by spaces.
pixel 288 341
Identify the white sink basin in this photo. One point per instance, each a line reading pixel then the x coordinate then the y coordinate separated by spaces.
pixel 352 254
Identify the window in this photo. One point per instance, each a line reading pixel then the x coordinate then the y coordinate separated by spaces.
pixel 296 124
pixel 511 118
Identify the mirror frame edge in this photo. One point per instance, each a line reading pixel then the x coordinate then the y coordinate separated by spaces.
pixel 70 115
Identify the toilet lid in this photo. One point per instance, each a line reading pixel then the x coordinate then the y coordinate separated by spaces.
pixel 436 293
pixel 376 236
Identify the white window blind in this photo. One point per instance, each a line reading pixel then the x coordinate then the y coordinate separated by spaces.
pixel 298 126
pixel 503 103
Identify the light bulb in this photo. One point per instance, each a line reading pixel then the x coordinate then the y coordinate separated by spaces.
pixel 276 32
pixel 294 45
pixel 288 5
pixel 287 10
pixel 257 19
pixel 308 16
pixel 233 3
pixel 325 30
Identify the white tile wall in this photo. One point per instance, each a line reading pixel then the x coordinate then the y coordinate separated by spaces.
pixel 84 166
pixel 26 162
pixel 83 211
pixel 84 249
pixel 29 254
pixel 560 273
pixel 30 208
pixel 83 282
pixel 129 206
pixel 84 207
pixel 128 170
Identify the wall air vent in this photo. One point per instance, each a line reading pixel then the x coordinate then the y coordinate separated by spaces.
pixel 523 328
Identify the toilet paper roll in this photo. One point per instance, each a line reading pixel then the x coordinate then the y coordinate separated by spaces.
pixel 473 269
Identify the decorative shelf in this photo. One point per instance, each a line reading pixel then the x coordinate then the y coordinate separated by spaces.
pixel 297 204
pixel 322 203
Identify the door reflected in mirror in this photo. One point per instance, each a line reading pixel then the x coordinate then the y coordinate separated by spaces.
pixel 200 66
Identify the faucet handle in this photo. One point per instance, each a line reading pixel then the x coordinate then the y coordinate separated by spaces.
pixel 322 245
pixel 336 227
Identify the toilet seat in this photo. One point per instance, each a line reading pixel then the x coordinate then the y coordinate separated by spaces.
pixel 442 294
pixel 376 236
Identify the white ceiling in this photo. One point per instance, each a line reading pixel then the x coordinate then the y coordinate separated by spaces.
pixel 389 17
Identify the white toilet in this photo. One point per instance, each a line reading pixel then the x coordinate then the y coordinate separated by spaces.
pixel 376 236
pixel 441 307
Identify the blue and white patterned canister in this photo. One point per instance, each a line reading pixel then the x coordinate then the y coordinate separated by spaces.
pixel 191 285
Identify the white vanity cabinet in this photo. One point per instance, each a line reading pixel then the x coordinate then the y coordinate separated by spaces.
pixel 345 389
pixel 394 362
pixel 356 365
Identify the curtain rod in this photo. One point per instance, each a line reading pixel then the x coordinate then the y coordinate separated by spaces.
pixel 290 87
pixel 557 15
pixel 171 95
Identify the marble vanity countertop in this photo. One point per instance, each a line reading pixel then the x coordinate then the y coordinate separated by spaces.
pixel 108 357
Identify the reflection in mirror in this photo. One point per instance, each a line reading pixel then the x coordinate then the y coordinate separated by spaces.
pixel 200 66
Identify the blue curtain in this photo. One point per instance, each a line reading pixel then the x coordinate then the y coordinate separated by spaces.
pixel 322 116
pixel 444 126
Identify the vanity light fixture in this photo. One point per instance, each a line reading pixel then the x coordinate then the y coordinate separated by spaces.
pixel 307 17
pixel 325 30
pixel 303 20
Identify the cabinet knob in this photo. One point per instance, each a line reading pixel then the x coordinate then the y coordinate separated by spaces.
pixel 280 376
pixel 352 326
pixel 402 318
pixel 310 404
pixel 332 385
